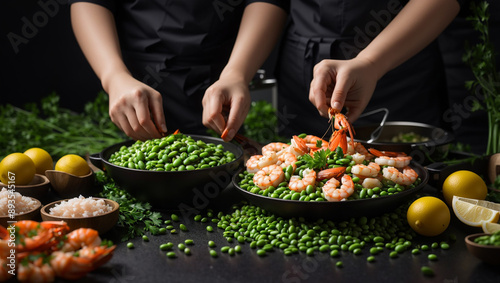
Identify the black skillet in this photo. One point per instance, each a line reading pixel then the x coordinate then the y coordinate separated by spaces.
pixel 168 189
pixel 334 210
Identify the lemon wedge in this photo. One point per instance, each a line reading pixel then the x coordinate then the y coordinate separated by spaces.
pixel 474 212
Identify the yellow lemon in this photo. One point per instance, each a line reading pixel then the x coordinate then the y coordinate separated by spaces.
pixel 42 159
pixel 490 228
pixel 428 216
pixel 73 164
pixel 473 214
pixel 17 168
pixel 464 183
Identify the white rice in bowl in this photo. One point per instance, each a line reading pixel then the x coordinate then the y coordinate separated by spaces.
pixel 80 207
pixel 21 203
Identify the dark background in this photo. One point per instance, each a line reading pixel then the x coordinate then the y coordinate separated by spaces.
pixel 49 60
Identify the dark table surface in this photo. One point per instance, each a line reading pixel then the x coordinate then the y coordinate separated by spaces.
pixel 147 263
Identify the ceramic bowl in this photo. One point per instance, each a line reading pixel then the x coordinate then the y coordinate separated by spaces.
pixel 68 185
pixel 38 187
pixel 488 254
pixel 33 214
pixel 102 223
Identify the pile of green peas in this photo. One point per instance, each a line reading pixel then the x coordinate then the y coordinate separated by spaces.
pixel 489 240
pixel 177 152
pixel 264 232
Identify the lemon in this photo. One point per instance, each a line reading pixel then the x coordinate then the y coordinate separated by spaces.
pixel 490 228
pixel 73 164
pixel 17 168
pixel 42 159
pixel 473 214
pixel 464 183
pixel 428 216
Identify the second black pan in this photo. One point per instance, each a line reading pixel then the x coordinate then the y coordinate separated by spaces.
pixel 334 210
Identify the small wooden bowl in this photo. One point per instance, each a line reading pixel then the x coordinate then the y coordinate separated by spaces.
pixel 38 187
pixel 488 254
pixel 33 214
pixel 68 185
pixel 102 223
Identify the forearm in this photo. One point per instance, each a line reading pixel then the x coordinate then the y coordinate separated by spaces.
pixel 415 27
pixel 260 28
pixel 95 31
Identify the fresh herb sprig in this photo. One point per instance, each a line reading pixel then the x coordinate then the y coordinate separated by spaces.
pixel 135 217
pixel 481 58
pixel 319 160
pixel 56 129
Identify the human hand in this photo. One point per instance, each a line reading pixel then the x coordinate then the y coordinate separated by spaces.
pixel 339 83
pixel 135 107
pixel 225 105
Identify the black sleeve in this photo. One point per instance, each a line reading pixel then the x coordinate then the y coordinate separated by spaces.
pixel 283 4
pixel 109 4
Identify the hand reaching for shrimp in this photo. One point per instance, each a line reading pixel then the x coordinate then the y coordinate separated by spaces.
pixel 135 107
pixel 339 83
pixel 225 105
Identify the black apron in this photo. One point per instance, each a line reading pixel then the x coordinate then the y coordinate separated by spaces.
pixel 178 47
pixel 317 30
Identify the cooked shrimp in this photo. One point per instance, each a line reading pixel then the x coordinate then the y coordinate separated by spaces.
pixel 298 184
pixel 341 122
pixel 38 270
pixel 358 147
pixel 358 158
pixel 378 153
pixel 268 176
pixel 257 162
pixel 82 237
pixel 364 171
pixel 34 236
pixel 312 142
pixel 298 146
pixel 398 162
pixel 371 183
pixel 286 159
pixel 71 265
pixel 331 173
pixel 274 147
pixel 333 193
pixel 405 178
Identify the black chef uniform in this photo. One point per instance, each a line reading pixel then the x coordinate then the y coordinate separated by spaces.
pixel 327 29
pixel 178 47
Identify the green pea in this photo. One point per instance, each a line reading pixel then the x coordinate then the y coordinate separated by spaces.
pixel 189 242
pixel 261 252
pixel 174 217
pixel 210 229
pixel 181 246
pixel 432 257
pixel 183 227
pixel 197 218
pixel 211 244
pixel 187 251
pixel 370 259
pixel 445 246
pixel 171 255
pixel 427 271
pixel 166 246
pixel 237 249
pixel 145 238
pixel 130 245
pixel 339 264
pixel 224 249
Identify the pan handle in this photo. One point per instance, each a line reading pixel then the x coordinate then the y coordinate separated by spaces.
pixel 96 160
pixel 439 171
